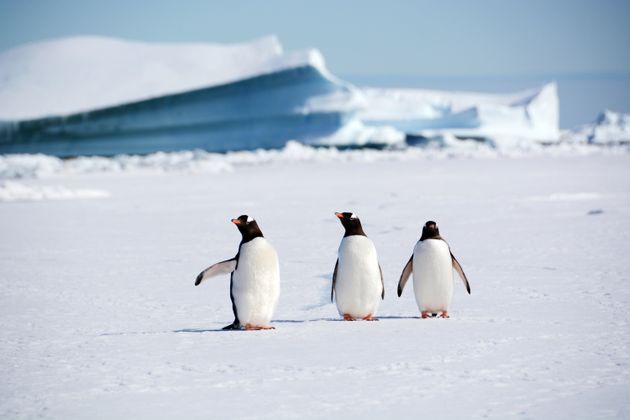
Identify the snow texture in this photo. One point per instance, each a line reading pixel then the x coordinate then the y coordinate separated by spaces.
pixel 25 166
pixel 15 191
pixel 99 317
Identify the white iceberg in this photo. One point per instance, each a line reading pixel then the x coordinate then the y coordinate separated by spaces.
pixel 532 115
pixel 78 74
pixel 102 96
pixel 609 128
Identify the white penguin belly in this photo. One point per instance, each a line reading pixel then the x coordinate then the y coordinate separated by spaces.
pixel 432 275
pixel 256 283
pixel 358 286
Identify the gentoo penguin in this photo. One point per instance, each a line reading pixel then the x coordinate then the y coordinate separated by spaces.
pixel 432 264
pixel 357 278
pixel 255 278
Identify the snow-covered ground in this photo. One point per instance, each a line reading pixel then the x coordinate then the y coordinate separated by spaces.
pixel 100 318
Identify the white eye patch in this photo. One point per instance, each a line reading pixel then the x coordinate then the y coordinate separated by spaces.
pixel 249 219
pixel 353 216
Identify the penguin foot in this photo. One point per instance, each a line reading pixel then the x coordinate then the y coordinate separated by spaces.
pixel 444 314
pixel 370 318
pixel 425 314
pixel 250 327
pixel 347 317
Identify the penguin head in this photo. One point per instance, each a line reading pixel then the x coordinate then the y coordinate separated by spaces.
pixel 248 227
pixel 430 230
pixel 351 223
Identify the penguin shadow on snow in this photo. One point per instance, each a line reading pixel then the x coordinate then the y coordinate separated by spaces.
pixel 179 331
pixel 201 330
pixel 397 317
pixel 301 321
pixel 275 321
pixel 324 298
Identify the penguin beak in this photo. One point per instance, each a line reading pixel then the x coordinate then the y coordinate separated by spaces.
pixel 236 221
pixel 339 215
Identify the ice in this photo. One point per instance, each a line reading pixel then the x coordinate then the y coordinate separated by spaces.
pixel 261 112
pixel 532 115
pixel 100 96
pixel 77 74
pixel 608 128
pixel 26 166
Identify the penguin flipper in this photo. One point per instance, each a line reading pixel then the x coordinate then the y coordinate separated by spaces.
pixel 332 290
pixel 382 282
pixel 222 267
pixel 404 276
pixel 460 271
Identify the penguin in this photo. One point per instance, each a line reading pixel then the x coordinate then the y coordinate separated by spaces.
pixel 254 278
pixel 357 278
pixel 432 264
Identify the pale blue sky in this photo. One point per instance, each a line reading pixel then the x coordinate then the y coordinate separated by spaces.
pixel 446 38
pixel 491 45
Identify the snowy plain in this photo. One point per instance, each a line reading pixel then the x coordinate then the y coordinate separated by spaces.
pixel 100 318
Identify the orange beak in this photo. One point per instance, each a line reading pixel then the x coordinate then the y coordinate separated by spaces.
pixel 236 221
pixel 339 215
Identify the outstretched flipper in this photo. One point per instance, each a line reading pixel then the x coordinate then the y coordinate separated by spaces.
pixel 382 283
pixel 332 290
pixel 460 271
pixel 404 276
pixel 223 267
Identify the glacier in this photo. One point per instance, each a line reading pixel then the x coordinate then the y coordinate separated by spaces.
pixel 102 96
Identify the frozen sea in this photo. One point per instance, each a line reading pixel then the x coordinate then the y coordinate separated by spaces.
pixel 100 318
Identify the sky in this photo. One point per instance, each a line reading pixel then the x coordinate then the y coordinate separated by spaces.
pixel 485 45
pixel 396 37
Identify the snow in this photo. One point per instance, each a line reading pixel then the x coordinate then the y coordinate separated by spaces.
pixel 99 316
pixel 77 74
pixel 25 166
pixel 15 191
pixel 608 128
pixel 356 133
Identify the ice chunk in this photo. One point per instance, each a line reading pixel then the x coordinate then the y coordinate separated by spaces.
pixel 608 128
pixel 529 115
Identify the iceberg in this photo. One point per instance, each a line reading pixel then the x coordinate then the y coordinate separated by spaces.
pixel 532 115
pixel 102 96
pixel 261 98
pixel 72 75
pixel 609 128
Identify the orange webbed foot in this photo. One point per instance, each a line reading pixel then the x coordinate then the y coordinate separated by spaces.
pixel 251 327
pixel 347 317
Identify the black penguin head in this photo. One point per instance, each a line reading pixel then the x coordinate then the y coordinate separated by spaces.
pixel 248 227
pixel 351 223
pixel 430 230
